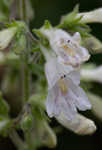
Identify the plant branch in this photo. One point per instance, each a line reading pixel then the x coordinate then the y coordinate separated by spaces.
pixel 17 140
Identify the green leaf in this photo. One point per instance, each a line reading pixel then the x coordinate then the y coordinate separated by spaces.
pixel 47 25
pixel 42 38
pixel 72 23
pixel 68 19
pixel 19 24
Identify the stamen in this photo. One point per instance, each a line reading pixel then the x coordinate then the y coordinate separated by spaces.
pixel 68 50
pixel 62 85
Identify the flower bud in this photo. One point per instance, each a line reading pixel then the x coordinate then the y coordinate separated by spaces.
pixel 92 74
pixel 93 44
pixel 6 36
pixel 80 124
pixel 26 122
pixel 92 16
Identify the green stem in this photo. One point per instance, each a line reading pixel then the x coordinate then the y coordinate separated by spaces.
pixel 31 139
pixel 26 83
pixel 26 76
pixel 17 140
pixel 19 8
pixel 24 10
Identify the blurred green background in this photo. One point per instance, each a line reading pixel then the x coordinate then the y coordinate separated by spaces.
pixel 53 10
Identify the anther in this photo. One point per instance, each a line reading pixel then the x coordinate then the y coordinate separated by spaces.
pixel 64 76
pixel 68 41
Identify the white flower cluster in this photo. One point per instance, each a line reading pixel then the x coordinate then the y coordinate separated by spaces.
pixel 64 93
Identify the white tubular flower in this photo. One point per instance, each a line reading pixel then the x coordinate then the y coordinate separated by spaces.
pixel 80 124
pixel 64 93
pixel 66 47
pixel 92 16
pixel 92 74
pixel 6 36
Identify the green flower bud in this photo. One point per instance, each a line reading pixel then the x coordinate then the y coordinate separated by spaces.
pixel 20 44
pixel 26 123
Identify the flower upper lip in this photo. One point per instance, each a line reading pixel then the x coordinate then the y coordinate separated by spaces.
pixel 67 47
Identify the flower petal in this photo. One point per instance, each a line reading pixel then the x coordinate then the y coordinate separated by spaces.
pixel 68 47
pixel 54 71
pixel 57 103
pixel 51 103
pixel 77 37
pixel 75 77
pixel 67 106
pixel 81 100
